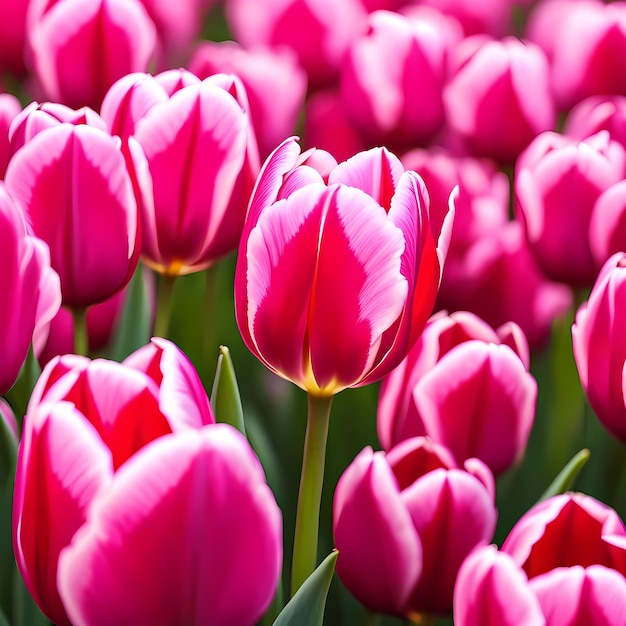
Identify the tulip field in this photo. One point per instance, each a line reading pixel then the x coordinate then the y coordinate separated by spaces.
pixel 313 313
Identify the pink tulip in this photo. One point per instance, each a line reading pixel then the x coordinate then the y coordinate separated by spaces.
pixel 491 590
pixel 9 108
pixel 597 113
pixel 37 117
pixel 318 36
pixel 328 127
pixel 557 183
pixel 599 349
pixel 8 418
pixel 360 244
pixel 199 490
pixel 74 186
pixel 275 84
pixel 31 292
pixel 423 515
pixel 499 99
pixel 203 160
pixel 79 48
pixel 460 356
pixel 85 419
pixel 567 530
pixel 607 226
pixel 392 80
pixel 13 36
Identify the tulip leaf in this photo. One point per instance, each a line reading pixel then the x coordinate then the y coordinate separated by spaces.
pixel 225 398
pixel 3 619
pixel 306 608
pixel 134 327
pixel 565 478
pixel 19 394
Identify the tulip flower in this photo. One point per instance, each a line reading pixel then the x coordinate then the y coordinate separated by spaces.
pixel 79 48
pixel 318 37
pixel 599 350
pixel 9 108
pixel 499 100
pixel 357 239
pixel 85 420
pixel 275 84
pixel 597 113
pixel 557 184
pixel 465 386
pixel 31 293
pixel 424 516
pixel 74 186
pixel 392 80
pixel 492 590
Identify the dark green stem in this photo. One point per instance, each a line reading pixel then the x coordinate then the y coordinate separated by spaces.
pixel 209 320
pixel 81 338
pixel 310 495
pixel 165 305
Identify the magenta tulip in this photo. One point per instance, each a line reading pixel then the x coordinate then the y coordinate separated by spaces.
pixel 203 160
pixel 361 246
pixel 392 80
pixel 499 100
pixel 465 386
pixel 275 84
pixel 557 184
pixel 31 292
pixel 599 349
pixel 85 419
pixel 567 530
pixel 597 113
pixel 423 515
pixel 74 186
pixel 9 108
pixel 79 48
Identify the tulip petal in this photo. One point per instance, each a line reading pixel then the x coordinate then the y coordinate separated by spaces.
pixel 188 533
pixel 379 561
pixel 62 465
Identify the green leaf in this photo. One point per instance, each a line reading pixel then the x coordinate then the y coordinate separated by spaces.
pixel 134 327
pixel 3 619
pixel 307 606
pixel 225 398
pixel 19 394
pixel 565 478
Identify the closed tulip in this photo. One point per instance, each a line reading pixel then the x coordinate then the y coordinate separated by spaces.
pixel 75 188
pixel 335 279
pixel 424 516
pixel 31 292
pixel 465 386
pixel 557 184
pixel 597 113
pixel 79 48
pixel 85 421
pixel 202 156
pixel 499 100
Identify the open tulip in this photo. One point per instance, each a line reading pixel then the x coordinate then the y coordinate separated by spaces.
pixel 336 279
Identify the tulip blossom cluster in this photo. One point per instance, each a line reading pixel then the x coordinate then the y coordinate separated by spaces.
pixel 425 194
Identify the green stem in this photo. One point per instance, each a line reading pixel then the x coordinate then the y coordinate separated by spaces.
pixel 81 339
pixel 165 304
pixel 209 317
pixel 310 495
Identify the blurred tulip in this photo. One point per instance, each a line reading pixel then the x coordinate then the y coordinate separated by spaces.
pixel 567 530
pixel 203 160
pixel 10 422
pixel 599 349
pixel 275 84
pixel 466 387
pixel 31 293
pixel 74 186
pixel 13 36
pixel 557 183
pixel 79 48
pixel 9 108
pixel 597 113
pixel 424 516
pixel 318 36
pixel 37 117
pixel 360 243
pixel 607 226
pixel 499 99
pixel 392 80
pixel 85 419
